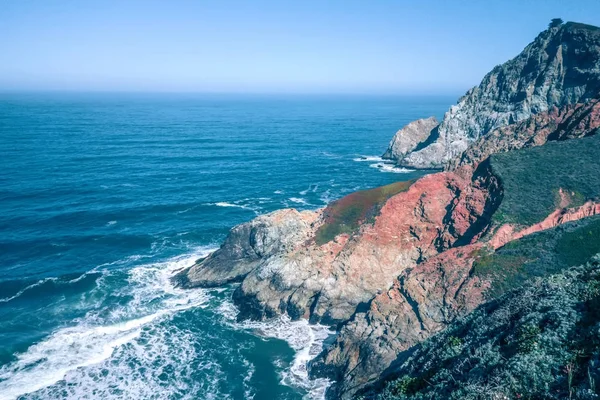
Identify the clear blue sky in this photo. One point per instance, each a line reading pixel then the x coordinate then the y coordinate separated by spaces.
pixel 268 46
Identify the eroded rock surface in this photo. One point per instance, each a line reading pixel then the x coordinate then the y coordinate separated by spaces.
pixel 568 122
pixel 283 270
pixel 409 137
pixel 560 67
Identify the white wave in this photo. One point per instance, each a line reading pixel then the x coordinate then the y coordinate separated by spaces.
pixel 109 223
pixel 26 288
pixel 93 338
pixel 387 167
pixel 368 159
pixel 306 340
pixel 226 204
pixel 330 155
pixel 185 211
pixel 156 365
pixel 236 204
pixel 298 200
pixel 278 192
pixel 311 188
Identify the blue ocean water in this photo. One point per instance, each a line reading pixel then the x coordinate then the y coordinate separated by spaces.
pixel 104 196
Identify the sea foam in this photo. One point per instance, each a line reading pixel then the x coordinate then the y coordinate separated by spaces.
pixel 95 337
pixel 306 340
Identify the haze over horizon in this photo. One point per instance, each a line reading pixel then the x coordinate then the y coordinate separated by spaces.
pixel 268 46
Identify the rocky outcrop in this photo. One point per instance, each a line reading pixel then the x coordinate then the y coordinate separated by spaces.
pixel 539 341
pixel 392 266
pixel 509 232
pixel 247 245
pixel 410 137
pixel 423 301
pixel 327 282
pixel 560 67
pixel 568 122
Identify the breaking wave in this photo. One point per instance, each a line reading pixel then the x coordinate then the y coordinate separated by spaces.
pixel 144 297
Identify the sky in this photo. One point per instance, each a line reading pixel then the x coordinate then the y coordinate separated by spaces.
pixel 303 46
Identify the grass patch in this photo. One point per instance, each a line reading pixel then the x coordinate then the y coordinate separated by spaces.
pixel 537 342
pixel 539 255
pixel 531 178
pixel 348 213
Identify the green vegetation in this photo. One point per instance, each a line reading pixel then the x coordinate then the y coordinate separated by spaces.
pixel 555 22
pixel 531 178
pixel 538 255
pixel 346 214
pixel 540 341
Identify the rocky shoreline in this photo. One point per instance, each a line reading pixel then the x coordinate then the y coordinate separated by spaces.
pixel 390 267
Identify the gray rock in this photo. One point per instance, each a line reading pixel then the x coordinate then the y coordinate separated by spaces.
pixel 246 246
pixel 561 66
pixel 409 137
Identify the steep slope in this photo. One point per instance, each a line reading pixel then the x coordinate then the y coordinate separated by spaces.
pixel 426 298
pixel 560 67
pixel 322 265
pixel 537 342
pixel 568 122
pixel 392 266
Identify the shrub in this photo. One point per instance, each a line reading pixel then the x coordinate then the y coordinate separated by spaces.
pixel 555 22
pixel 532 177
pixel 540 341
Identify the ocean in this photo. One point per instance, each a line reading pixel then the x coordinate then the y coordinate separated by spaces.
pixel 103 196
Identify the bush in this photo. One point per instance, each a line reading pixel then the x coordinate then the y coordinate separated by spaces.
pixel 540 341
pixel 555 22
pixel 538 255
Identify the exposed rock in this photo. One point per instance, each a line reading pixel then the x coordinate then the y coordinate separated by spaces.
pixel 561 66
pixel 326 282
pixel 540 341
pixel 422 301
pixel 410 137
pixel 568 122
pixel 247 245
pixel 509 232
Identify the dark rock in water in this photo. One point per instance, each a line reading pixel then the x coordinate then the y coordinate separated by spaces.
pixel 560 67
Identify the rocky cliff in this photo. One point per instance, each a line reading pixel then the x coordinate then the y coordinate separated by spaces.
pixel 426 298
pixel 568 122
pixel 537 342
pixel 311 265
pixel 560 67
pixel 392 266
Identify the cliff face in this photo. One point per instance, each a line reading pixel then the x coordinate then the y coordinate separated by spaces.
pixel 537 342
pixel 568 122
pixel 560 67
pixel 426 298
pixel 285 266
pixel 408 138
pixel 392 266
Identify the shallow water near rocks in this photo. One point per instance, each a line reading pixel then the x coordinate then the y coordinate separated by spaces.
pixel 104 196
